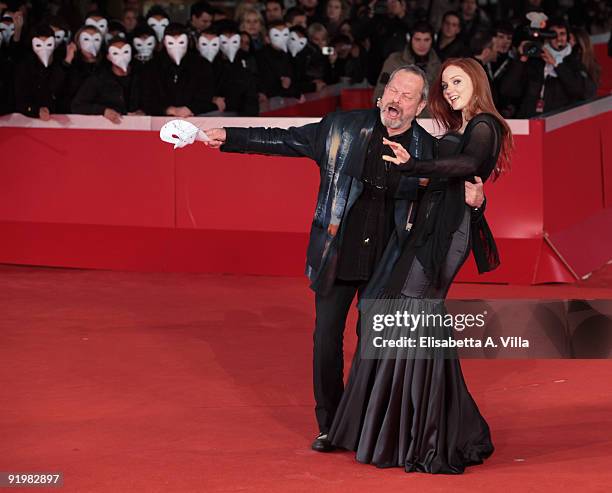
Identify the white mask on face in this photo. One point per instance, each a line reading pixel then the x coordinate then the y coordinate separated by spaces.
pixel 109 36
pixel 296 44
pixel 208 47
pixel 144 48
pixel 159 26
pixel 230 46
pixel 43 49
pixel 279 38
pixel 7 29
pixel 59 35
pixel 121 57
pixel 176 47
pixel 101 24
pixel 90 42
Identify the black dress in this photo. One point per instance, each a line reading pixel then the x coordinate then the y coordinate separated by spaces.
pixel 415 412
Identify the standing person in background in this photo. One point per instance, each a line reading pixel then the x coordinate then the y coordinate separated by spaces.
pixel 335 13
pixel 85 62
pixel 581 44
pixel 115 90
pixel 39 78
pixel 554 78
pixel 473 19
pixel 252 22
pixel 449 43
pixel 274 11
pixel 200 18
pixel 419 51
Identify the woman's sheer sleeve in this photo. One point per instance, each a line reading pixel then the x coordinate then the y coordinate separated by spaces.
pixel 479 149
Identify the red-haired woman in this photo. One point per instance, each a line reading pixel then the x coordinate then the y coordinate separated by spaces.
pixel 409 406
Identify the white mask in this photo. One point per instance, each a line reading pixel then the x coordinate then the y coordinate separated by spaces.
pixel 230 46
pixel 296 44
pixel 144 48
pixel 109 36
pixel 101 24
pixel 67 37
pixel 7 29
pixel 59 35
pixel 90 42
pixel 208 47
pixel 121 57
pixel 159 26
pixel 279 38
pixel 176 47
pixel 43 49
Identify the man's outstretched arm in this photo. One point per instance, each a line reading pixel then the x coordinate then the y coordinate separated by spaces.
pixel 304 141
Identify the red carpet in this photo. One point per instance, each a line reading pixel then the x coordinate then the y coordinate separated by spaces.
pixel 186 382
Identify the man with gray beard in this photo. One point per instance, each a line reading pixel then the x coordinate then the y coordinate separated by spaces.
pixel 364 208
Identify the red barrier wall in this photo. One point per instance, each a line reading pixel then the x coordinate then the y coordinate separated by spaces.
pixel 125 200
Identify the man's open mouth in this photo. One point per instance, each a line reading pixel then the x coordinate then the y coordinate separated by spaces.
pixel 392 111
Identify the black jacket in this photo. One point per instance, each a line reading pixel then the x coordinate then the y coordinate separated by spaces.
pixel 107 90
pixel 37 86
pixel 338 145
pixel 523 81
pixel 189 84
pixel 237 84
pixel 77 73
pixel 274 64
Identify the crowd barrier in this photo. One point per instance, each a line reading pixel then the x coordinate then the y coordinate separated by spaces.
pixel 79 191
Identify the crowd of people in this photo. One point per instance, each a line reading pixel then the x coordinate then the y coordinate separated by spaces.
pixel 52 60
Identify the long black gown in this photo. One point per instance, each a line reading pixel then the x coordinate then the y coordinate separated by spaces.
pixel 414 412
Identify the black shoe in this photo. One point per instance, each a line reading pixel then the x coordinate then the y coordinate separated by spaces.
pixel 322 444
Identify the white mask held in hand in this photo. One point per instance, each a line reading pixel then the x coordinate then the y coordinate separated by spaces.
pixel 43 49
pixel 176 47
pixel 279 38
pixel 101 24
pixel 159 26
pixel 7 29
pixel 296 44
pixel 144 48
pixel 121 57
pixel 179 132
pixel 90 42
pixel 208 47
pixel 230 45
pixel 59 35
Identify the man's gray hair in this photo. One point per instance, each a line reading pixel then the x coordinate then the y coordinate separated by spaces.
pixel 413 69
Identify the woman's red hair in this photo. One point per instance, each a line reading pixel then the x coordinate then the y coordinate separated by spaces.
pixel 481 102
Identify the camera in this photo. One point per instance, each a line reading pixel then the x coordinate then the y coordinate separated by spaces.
pixel 327 50
pixel 536 35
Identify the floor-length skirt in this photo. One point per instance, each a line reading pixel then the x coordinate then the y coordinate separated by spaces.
pixel 413 410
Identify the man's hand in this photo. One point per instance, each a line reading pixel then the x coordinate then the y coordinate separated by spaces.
pixel 44 114
pixel 71 49
pixel 216 137
pixel 183 112
pixel 319 84
pixel 474 193
pixel 112 115
pixel 285 82
pixel 548 58
pixel 219 102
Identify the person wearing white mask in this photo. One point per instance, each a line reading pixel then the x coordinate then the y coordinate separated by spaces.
pixel 115 91
pixel 274 63
pixel 144 43
pixel 235 81
pixel 39 78
pixel 183 83
pixel 305 60
pixel 97 20
pixel 84 62
pixel 158 20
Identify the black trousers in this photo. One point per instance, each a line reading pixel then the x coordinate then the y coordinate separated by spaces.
pixel 328 355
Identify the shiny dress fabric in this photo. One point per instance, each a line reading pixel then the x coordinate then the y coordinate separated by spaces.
pixel 415 412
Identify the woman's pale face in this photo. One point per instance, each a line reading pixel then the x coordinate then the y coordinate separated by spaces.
pixel 252 24
pixel 457 87
pixel 334 10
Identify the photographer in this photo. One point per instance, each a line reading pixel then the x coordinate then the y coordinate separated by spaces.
pixel 545 77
